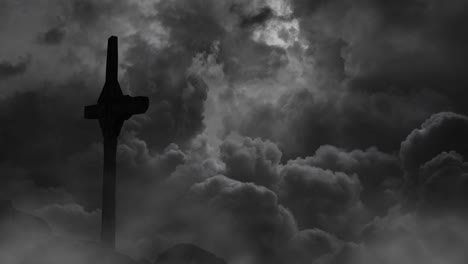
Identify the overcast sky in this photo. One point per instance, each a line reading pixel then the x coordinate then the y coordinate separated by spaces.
pixel 279 131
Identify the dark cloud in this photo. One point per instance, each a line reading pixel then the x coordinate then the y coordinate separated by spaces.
pixel 302 121
pixel 255 61
pixel 253 216
pixel 251 160
pixel 322 199
pixel 388 54
pixel 374 72
pixel 379 173
pixel 325 99
pixel 293 113
pixel 89 13
pixel 304 7
pixel 53 36
pixel 177 98
pixel 45 132
pixel 408 238
pixel 194 25
pixel 71 221
pixel 394 46
pixel 444 180
pixel 441 132
pixel 194 29
pixel 9 69
pixel 263 15
pixel 44 127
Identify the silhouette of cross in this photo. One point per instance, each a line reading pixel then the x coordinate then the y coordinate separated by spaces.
pixel 112 109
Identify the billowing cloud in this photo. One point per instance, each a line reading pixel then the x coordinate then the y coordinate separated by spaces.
pixel 71 221
pixel 9 69
pixel 251 160
pixel 408 238
pixel 443 183
pixel 322 199
pixel 325 99
pixel 53 36
pixel 379 173
pixel 256 225
pixel 311 245
pixel 432 157
pixel 441 132
pixel 177 97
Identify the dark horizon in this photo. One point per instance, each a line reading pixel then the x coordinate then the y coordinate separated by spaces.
pixel 278 131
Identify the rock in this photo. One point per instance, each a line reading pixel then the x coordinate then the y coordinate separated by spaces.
pixel 187 254
pixel 15 223
pixel 25 239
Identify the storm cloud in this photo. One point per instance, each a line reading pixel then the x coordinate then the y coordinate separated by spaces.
pixel 9 69
pixel 278 131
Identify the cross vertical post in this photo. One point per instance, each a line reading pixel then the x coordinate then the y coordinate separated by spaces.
pixel 108 192
pixel 112 109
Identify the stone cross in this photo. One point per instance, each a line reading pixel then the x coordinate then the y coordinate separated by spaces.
pixel 112 109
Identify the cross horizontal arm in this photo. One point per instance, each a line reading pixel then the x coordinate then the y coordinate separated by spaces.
pixel 122 107
pixel 128 105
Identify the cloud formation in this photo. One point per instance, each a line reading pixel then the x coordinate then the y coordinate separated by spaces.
pixel 8 69
pixel 321 198
pixel 297 131
pixel 251 160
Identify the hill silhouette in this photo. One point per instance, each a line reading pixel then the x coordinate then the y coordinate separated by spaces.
pixel 28 239
pixel 14 223
pixel 187 253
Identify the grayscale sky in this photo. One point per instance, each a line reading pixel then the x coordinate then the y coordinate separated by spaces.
pixel 279 131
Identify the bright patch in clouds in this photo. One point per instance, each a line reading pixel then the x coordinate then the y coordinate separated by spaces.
pixel 278 33
pixel 281 7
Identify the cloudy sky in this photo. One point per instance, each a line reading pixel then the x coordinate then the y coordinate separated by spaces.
pixel 279 131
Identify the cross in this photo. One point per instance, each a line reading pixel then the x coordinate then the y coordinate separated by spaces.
pixel 112 109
